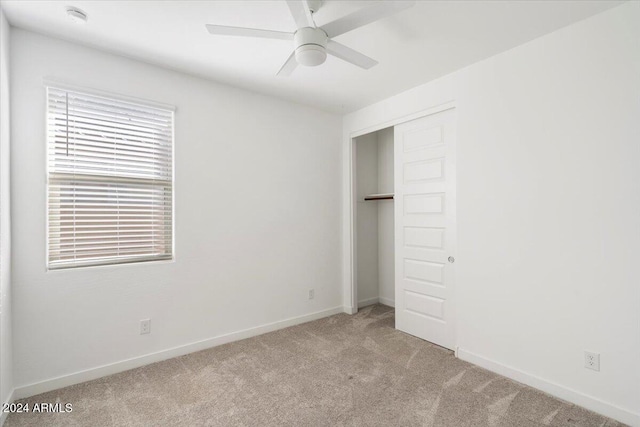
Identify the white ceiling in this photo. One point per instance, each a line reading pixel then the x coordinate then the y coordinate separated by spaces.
pixel 427 41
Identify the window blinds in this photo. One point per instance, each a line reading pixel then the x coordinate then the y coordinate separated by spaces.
pixel 110 179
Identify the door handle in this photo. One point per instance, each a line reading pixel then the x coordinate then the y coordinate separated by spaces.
pixel 451 259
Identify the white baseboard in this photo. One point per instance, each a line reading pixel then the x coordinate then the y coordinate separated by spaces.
pixel 368 302
pixel 349 310
pixel 125 365
pixel 592 403
pixel 376 300
pixel 4 415
pixel 387 301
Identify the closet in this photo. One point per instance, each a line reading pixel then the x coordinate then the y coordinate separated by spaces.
pixel 404 223
pixel 374 218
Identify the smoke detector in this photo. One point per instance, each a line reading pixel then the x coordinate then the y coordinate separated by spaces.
pixel 76 15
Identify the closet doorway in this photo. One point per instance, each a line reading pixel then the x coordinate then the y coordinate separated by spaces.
pixel 374 218
pixel 404 229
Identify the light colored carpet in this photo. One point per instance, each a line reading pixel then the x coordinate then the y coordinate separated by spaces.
pixel 339 371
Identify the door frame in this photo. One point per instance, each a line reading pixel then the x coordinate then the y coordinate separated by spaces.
pixel 350 279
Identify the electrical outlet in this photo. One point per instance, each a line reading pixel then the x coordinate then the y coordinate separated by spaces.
pixel 145 326
pixel 312 293
pixel 592 360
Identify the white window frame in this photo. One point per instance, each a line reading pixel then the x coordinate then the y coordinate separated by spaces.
pixel 49 82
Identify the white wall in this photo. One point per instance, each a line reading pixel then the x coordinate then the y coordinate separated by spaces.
pixel 386 240
pixel 6 369
pixel 257 220
pixel 548 207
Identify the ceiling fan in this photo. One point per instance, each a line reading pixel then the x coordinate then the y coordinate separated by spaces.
pixel 311 43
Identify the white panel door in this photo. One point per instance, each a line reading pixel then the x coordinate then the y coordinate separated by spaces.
pixel 425 221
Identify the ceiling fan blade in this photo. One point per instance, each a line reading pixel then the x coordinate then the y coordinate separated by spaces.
pixel 365 16
pixel 288 66
pixel 301 13
pixel 248 32
pixel 347 54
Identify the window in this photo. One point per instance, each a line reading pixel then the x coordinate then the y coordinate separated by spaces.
pixel 110 176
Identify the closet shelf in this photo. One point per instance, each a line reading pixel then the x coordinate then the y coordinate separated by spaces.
pixel 382 196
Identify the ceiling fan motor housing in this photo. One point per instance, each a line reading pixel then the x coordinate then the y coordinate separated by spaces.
pixel 310 46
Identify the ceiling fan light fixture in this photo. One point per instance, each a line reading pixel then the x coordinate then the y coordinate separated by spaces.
pixel 310 46
pixel 311 55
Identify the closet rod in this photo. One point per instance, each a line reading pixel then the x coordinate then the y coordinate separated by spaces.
pixel 379 197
